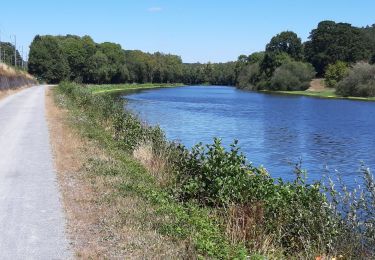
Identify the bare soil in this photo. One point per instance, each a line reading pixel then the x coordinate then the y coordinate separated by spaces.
pixel 317 85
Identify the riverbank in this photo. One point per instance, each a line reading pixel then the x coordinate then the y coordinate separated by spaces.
pixel 115 200
pixel 208 201
pixel 317 89
pixel 327 93
pixel 101 89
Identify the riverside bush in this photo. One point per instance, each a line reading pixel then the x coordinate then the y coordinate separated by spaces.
pixel 360 82
pixel 293 75
pixel 335 73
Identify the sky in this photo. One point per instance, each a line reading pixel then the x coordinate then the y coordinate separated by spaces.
pixel 196 30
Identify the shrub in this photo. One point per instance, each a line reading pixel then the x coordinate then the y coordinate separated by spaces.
pixel 292 76
pixel 213 176
pixel 360 82
pixel 335 73
pixel 249 77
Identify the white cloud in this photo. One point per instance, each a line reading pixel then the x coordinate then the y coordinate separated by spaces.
pixel 155 9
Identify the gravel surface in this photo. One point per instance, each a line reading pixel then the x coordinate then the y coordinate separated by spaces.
pixel 32 222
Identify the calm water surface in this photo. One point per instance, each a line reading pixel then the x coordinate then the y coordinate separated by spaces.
pixel 275 131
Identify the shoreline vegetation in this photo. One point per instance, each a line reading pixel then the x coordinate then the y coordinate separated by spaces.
pixel 209 200
pixel 327 93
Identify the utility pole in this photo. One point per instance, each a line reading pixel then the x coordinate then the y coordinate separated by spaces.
pixel 15 51
pixel 0 47
pixel 22 57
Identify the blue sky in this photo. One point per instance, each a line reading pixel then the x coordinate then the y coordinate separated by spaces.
pixel 197 30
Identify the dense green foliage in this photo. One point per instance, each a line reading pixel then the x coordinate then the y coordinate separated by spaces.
pixel 268 216
pixel 287 42
pixel 331 42
pixel 360 82
pixel 47 61
pixel 335 73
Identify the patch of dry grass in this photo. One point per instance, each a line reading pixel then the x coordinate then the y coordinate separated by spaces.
pixel 8 71
pixel 101 223
pixel 155 163
pixel 8 92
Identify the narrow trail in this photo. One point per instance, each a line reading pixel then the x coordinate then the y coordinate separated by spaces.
pixel 32 223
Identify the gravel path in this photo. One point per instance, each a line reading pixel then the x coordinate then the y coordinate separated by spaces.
pixel 32 223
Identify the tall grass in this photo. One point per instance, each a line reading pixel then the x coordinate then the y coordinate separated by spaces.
pixel 269 217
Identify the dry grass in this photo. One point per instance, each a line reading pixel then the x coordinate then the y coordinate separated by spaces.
pixel 156 164
pixel 7 71
pixel 8 92
pixel 102 224
pixel 245 224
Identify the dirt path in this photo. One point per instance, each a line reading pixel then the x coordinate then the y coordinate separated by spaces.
pixel 317 85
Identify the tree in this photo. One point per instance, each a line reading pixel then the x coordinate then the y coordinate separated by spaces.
pixel 335 73
pixel 98 68
pixel 255 57
pixel 77 50
pixel 273 60
pixel 116 61
pixel 47 61
pixel 287 42
pixel 331 42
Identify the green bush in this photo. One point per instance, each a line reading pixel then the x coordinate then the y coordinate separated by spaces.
pixel 210 175
pixel 360 82
pixel 293 75
pixel 249 77
pixel 213 176
pixel 335 73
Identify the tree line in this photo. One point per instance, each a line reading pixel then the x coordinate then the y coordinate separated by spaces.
pixel 80 59
pixel 287 63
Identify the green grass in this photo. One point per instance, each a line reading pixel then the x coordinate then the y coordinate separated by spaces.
pixel 114 88
pixel 327 93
